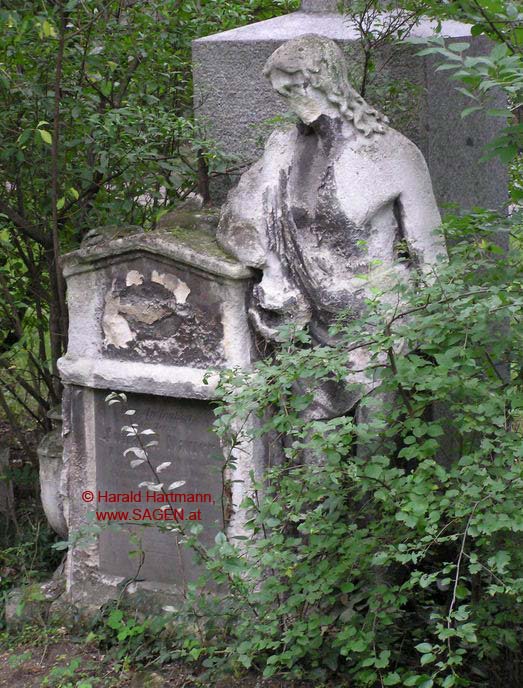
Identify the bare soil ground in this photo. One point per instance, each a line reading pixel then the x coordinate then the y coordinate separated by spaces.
pixel 32 666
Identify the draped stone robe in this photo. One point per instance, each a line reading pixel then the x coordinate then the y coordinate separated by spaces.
pixel 328 215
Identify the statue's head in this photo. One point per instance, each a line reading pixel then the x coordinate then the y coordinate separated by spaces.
pixel 311 73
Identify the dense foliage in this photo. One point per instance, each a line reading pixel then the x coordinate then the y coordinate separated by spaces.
pixel 387 551
pixel 97 127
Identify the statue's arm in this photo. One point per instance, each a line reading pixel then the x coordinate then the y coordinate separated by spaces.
pixel 419 214
pixel 243 228
pixel 240 230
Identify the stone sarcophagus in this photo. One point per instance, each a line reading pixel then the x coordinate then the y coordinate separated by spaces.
pixel 150 315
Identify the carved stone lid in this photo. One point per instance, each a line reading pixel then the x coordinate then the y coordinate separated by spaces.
pixel 319 6
pixel 195 248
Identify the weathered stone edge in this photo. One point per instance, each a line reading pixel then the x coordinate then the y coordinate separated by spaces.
pixel 130 376
pixel 328 23
pixel 83 259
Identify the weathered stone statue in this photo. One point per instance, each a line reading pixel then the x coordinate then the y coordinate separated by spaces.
pixel 338 204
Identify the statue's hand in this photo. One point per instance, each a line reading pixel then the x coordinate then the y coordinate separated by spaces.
pixel 268 323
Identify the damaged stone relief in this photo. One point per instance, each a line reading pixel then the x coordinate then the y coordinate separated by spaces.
pixel 153 314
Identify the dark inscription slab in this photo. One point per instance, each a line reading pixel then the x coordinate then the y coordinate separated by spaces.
pixel 182 429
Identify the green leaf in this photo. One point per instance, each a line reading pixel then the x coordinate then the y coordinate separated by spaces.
pixel 518 35
pixel 507 153
pixel 48 29
pixel 447 67
pixel 427 659
pixel 115 619
pixel 499 112
pixel 469 110
pixel 458 47
pixel 45 136
pixel 500 560
pixel 498 52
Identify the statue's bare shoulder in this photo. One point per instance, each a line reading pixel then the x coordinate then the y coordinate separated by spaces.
pixel 381 151
pixel 389 164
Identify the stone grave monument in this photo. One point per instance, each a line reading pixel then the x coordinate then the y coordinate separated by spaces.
pixel 52 476
pixel 228 70
pixel 149 315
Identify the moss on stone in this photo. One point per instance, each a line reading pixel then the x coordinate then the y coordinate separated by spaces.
pixel 198 240
pixel 98 235
pixel 191 218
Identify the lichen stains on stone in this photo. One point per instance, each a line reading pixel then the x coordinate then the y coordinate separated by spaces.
pixel 99 235
pixel 197 219
pixel 115 327
pixel 176 286
pixel 133 277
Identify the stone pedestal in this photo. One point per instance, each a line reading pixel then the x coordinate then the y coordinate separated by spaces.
pixel 150 314
pixel 233 100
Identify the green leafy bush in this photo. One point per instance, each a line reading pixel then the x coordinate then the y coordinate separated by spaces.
pixel 386 551
pixel 97 127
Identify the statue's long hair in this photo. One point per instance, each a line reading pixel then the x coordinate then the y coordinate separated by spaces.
pixel 322 62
